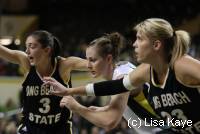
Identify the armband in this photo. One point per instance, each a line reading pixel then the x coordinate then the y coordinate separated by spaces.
pixel 90 89
pixel 109 87
pixel 127 83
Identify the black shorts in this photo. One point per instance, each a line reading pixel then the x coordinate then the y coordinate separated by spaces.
pixel 62 129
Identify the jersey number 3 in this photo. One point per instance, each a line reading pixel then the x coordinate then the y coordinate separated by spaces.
pixel 46 107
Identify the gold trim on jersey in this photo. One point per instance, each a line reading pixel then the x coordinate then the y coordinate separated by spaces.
pixel 70 116
pixel 54 69
pixel 70 125
pixel 66 80
pixel 163 85
pixel 141 100
pixel 153 81
pixel 20 126
pixel 25 76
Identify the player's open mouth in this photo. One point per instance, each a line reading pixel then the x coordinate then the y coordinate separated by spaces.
pixel 93 72
pixel 136 54
pixel 31 58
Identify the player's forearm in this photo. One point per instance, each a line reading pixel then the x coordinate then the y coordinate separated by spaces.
pixel 76 91
pixel 103 119
pixel 103 88
pixel 5 53
pixel 110 87
pixel 12 56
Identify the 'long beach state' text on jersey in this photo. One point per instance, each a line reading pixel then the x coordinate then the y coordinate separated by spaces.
pixel 137 107
pixel 176 104
pixel 41 109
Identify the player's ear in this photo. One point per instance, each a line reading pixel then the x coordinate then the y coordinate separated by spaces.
pixel 47 50
pixel 109 58
pixel 157 44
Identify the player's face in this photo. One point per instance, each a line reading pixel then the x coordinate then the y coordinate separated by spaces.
pixel 96 64
pixel 36 54
pixel 143 48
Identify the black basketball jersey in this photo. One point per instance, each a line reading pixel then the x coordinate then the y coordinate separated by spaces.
pixel 176 104
pixel 41 109
pixel 140 106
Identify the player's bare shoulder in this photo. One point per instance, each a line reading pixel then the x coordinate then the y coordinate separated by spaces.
pixel 64 63
pixel 187 66
pixel 67 61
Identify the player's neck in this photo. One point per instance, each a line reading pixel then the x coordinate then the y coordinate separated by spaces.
pixel 109 73
pixel 161 72
pixel 45 69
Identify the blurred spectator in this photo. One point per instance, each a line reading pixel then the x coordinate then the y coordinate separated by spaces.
pixel 95 130
pixel 10 104
pixel 11 128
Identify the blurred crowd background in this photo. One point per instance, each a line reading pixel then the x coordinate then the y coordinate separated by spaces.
pixel 76 23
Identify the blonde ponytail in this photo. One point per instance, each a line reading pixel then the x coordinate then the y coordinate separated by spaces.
pixel 181 45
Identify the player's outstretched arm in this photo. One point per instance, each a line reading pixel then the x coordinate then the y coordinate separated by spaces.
pixel 60 90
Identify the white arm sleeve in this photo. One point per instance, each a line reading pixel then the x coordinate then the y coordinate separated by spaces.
pixel 90 89
pixel 127 83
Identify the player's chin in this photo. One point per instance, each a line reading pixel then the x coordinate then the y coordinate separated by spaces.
pixel 95 75
pixel 139 59
pixel 32 63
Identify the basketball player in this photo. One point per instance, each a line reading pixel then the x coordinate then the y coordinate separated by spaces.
pixel 41 110
pixel 102 55
pixel 173 75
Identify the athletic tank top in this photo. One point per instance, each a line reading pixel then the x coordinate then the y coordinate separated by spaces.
pixel 122 68
pixel 176 104
pixel 137 107
pixel 40 109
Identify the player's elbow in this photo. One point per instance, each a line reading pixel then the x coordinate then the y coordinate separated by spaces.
pixel 111 124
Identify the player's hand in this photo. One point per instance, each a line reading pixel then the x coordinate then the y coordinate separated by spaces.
pixel 70 103
pixel 58 89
